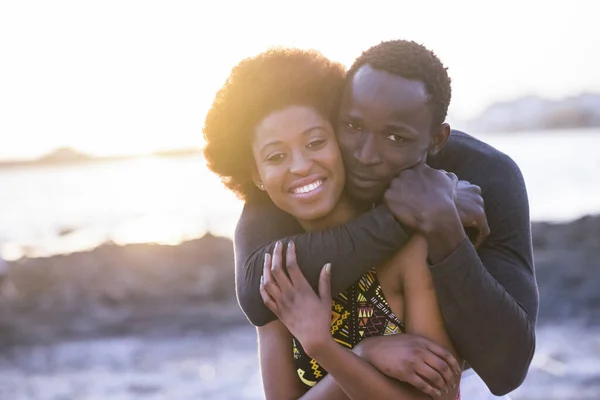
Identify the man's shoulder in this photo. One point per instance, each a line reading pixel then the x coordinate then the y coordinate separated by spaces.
pixel 473 159
pixel 461 143
pixel 463 150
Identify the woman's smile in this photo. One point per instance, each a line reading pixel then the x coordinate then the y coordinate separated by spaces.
pixel 308 188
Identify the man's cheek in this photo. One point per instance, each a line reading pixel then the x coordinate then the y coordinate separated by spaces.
pixel 344 145
pixel 406 161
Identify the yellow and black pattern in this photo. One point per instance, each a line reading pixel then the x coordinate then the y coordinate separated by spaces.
pixel 359 312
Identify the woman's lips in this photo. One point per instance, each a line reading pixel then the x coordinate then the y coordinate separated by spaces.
pixel 310 190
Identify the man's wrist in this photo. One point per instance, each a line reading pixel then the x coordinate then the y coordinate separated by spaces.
pixel 444 236
pixel 401 220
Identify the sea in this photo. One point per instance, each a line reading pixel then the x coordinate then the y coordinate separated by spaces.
pixel 46 210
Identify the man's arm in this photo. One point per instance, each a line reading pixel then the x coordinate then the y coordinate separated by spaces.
pixel 490 300
pixel 352 249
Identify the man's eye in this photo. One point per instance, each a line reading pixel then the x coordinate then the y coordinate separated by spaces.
pixel 315 144
pixel 395 138
pixel 274 158
pixel 354 126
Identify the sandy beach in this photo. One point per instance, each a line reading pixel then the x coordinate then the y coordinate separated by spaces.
pixel 161 322
pixel 223 365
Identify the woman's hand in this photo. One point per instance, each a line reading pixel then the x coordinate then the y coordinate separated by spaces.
pixel 412 359
pixel 306 314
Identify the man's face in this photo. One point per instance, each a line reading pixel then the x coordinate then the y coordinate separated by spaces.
pixel 384 127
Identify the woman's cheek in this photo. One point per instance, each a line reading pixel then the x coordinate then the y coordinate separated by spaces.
pixel 271 177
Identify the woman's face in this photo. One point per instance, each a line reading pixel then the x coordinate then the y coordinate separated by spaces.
pixel 298 162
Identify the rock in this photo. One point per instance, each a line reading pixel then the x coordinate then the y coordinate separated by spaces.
pixel 144 287
pixel 568 269
pixel 114 288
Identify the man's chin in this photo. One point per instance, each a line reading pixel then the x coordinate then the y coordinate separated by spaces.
pixel 365 196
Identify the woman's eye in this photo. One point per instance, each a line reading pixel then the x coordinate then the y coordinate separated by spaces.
pixel 316 144
pixel 273 158
pixel 395 138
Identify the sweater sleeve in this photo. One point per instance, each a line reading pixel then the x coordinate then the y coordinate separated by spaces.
pixel 352 249
pixel 489 298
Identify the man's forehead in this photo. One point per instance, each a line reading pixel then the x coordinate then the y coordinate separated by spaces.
pixel 374 85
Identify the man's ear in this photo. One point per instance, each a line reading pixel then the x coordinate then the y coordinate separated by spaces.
pixel 257 181
pixel 439 139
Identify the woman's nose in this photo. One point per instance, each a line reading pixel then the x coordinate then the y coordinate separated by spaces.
pixel 300 165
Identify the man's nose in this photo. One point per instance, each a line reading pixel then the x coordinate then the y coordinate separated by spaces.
pixel 366 152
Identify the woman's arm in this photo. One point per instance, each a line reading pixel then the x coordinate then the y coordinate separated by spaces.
pixel 292 300
pixel 422 315
pixel 277 363
pixel 356 377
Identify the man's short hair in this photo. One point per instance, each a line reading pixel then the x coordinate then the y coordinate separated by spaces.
pixel 412 61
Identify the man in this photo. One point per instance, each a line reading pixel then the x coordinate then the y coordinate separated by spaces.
pixel 396 91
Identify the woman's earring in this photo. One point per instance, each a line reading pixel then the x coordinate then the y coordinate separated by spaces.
pixel 261 186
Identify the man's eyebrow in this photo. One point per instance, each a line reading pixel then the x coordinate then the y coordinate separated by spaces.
pixel 404 127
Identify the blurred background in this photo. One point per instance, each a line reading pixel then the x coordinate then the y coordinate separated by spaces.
pixel 116 267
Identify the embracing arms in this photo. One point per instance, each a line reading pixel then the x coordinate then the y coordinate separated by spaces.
pixel 488 297
pixel 291 298
pixel 281 381
pixel 353 248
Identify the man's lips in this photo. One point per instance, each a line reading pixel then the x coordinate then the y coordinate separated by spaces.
pixel 364 181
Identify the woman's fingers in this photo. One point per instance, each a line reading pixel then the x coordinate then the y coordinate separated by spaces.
pixel 277 270
pixel 268 283
pixel 292 264
pixel 297 277
pixel 266 297
pixel 325 285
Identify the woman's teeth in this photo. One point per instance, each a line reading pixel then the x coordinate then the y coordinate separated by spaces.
pixel 308 188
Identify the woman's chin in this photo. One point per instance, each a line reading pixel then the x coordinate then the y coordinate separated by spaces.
pixel 315 213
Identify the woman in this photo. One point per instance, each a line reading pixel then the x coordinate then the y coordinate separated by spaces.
pixel 270 136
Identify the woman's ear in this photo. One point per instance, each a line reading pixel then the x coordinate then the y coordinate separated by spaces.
pixel 257 181
pixel 439 139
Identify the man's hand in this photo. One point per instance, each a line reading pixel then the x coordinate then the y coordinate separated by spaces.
pixel 419 196
pixel 412 359
pixel 469 204
pixel 423 200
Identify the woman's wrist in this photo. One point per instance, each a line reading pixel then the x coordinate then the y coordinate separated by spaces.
pixel 318 345
pixel 362 348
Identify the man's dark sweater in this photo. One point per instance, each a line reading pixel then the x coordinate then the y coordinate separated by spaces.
pixel 488 298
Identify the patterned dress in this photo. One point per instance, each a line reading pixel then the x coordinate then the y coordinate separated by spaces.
pixel 359 312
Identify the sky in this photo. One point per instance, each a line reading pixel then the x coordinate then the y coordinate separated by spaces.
pixel 120 77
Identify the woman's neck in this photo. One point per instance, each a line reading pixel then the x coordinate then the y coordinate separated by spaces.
pixel 344 211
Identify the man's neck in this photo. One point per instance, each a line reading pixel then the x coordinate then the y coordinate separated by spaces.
pixel 345 210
